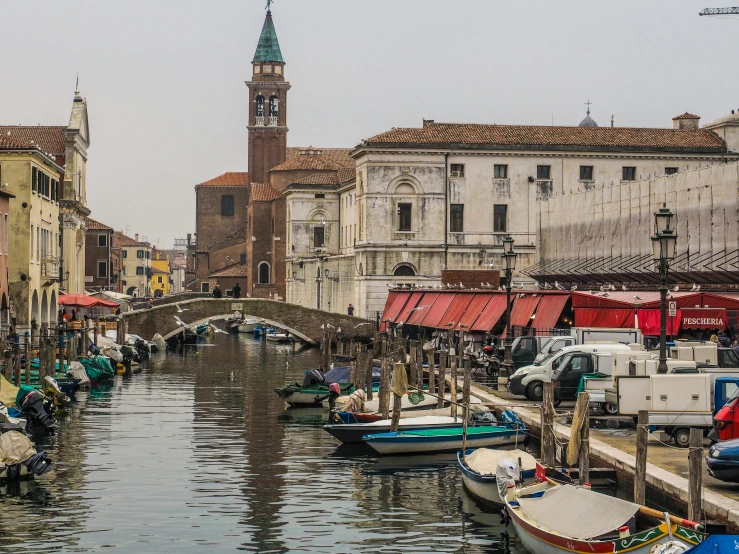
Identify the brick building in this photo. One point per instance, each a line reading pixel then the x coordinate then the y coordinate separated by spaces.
pixel 102 257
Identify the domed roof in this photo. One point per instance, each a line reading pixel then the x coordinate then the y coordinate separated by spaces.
pixel 588 121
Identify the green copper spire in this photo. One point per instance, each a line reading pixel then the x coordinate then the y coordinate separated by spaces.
pixel 268 49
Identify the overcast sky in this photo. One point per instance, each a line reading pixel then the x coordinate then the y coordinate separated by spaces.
pixel 164 79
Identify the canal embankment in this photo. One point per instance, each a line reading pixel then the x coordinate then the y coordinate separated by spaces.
pixel 665 484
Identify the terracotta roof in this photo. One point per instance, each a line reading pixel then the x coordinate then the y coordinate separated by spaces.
pixel 316 162
pixel 128 241
pixel 9 143
pixel 347 174
pixel 229 179
pixel 320 179
pixel 686 115
pixel 96 225
pixel 233 271
pixel 233 238
pixel 538 136
pixel 49 138
pixel 261 192
pixel 339 155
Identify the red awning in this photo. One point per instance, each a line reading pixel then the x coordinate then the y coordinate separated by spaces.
pixel 406 312
pixel 727 300
pixel 422 310
pixel 394 304
pixel 604 317
pixel 491 314
pixel 549 310
pixel 473 311
pixel 84 301
pixel 523 308
pixel 617 300
pixel 455 311
pixel 683 299
pixel 435 315
pixel 703 318
pixel 648 321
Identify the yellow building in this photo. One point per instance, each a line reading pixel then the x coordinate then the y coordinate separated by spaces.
pixel 34 178
pixel 160 275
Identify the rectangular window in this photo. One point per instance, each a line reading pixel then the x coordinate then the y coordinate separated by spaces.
pixel 125 253
pixel 102 241
pixel 457 170
pixel 204 287
pixel 543 172
pixel 34 176
pixel 242 259
pixel 404 216
pixel 227 205
pixel 159 278
pixel 456 221
pixel 140 254
pixel 102 269
pixel 628 174
pixel 500 218
pixel 139 270
pixel 320 195
pixel 586 172
pixel 318 237
pixel 670 170
pixel 500 171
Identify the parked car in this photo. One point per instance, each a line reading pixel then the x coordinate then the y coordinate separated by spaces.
pixel 723 461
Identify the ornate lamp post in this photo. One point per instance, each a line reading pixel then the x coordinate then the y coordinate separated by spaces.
pixel 664 244
pixel 509 265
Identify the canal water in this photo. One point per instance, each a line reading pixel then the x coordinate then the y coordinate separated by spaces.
pixel 181 459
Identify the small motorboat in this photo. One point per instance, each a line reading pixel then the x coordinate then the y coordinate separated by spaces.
pixel 352 433
pixel 314 387
pixel 249 325
pixel 479 468
pixel 562 519
pixel 413 401
pixel 202 329
pixel 280 337
pixel 449 439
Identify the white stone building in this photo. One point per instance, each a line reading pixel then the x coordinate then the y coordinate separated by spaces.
pixel 444 196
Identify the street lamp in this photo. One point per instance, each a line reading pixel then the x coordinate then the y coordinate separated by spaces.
pixel 664 244
pixel 509 259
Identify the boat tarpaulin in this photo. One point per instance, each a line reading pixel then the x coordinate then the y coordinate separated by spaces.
pixel 604 317
pixel 491 314
pixel 435 315
pixel 703 318
pixel 473 311
pixel 456 310
pixel 648 322
pixel 523 309
pixel 394 304
pixel 549 310
pixel 406 311
pixel 422 310
pixel 715 544
pixel 588 514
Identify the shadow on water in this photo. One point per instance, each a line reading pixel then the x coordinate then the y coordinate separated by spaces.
pixel 182 458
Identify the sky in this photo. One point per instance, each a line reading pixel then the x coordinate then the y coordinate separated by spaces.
pixel 164 79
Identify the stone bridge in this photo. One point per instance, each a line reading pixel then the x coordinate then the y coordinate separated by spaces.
pixel 304 323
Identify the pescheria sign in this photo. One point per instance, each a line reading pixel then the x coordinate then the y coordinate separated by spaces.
pixel 705 318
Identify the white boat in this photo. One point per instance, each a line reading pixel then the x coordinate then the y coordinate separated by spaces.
pixel 352 433
pixel 249 325
pixel 479 471
pixel 428 403
pixel 279 337
pixel 566 519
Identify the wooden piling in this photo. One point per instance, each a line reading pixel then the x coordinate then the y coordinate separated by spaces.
pixel 442 379
pixel 640 470
pixel 466 387
pixel 17 365
pixel 584 461
pixel 453 386
pixel 419 367
pixel 367 359
pixel 96 325
pixel 396 403
pixel 547 427
pixel 432 371
pixel 27 352
pixel 8 365
pixel 41 357
pixel 385 388
pixel 412 362
pixel 695 476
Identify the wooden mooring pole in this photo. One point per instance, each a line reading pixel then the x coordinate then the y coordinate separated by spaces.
pixel 396 403
pixel 547 427
pixel 385 388
pixel 585 444
pixel 432 370
pixel 442 378
pixel 453 386
pixel 640 470
pixel 367 367
pixel 695 472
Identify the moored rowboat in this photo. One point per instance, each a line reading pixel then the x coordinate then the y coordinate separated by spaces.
pixel 479 467
pixel 352 433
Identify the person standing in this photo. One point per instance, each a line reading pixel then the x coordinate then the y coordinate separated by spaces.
pixel 217 292
pixel 237 291
pixel 350 309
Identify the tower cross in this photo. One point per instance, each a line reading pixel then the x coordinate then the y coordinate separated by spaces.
pixel 588 105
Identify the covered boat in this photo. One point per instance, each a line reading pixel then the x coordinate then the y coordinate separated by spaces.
pixel 479 469
pixel 314 388
pixel 352 433
pixel 552 519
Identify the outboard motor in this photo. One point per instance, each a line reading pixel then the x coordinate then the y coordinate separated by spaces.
pixel 142 349
pixel 37 408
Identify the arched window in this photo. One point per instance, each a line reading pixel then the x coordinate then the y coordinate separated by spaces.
pixel 260 106
pixel 263 273
pixel 404 271
pixel 274 106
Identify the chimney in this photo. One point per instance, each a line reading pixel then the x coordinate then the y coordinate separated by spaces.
pixel 686 121
pixel 136 237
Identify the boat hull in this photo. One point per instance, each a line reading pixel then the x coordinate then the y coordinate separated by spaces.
pixel 485 487
pixel 543 542
pixel 352 433
pixel 417 444
pixel 248 327
pixel 279 338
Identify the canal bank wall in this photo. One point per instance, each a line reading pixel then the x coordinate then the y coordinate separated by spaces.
pixel 664 488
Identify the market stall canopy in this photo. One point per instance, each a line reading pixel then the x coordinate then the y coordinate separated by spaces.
pixel 394 304
pixel 473 311
pixel 456 311
pixel 84 301
pixel 435 315
pixel 549 310
pixel 407 310
pixel 425 304
pixel 491 314
pixel 648 322
pixel 523 309
pixel 604 317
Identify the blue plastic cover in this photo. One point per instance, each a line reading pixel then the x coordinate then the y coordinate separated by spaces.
pixel 716 544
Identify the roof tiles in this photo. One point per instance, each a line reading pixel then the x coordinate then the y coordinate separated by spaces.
pixel 93 225
pixel 339 155
pixel 228 179
pixel 315 162
pixel 49 138
pixel 233 271
pixel 261 192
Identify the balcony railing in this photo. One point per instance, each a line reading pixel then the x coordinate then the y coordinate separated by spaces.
pixel 259 120
pixel 50 268
pixel 272 121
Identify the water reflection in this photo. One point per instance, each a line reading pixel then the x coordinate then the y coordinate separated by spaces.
pixel 180 457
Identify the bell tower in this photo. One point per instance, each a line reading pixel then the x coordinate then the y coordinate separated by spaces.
pixel 267 105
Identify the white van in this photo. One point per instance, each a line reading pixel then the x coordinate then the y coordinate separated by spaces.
pixel 529 381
